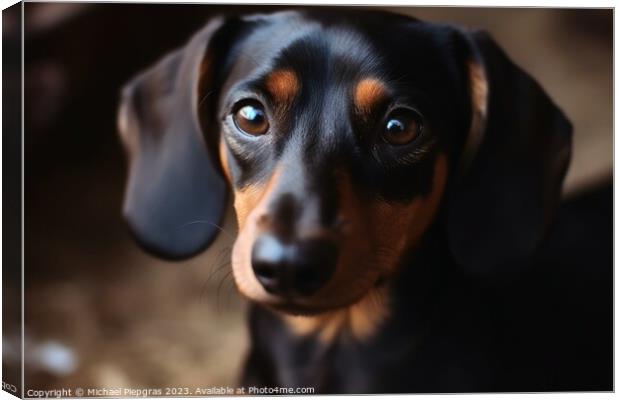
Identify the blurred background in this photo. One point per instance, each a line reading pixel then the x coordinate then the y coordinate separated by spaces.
pixel 100 312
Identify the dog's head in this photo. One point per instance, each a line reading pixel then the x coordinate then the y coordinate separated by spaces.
pixel 341 136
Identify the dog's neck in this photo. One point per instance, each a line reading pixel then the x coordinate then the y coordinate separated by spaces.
pixel 361 320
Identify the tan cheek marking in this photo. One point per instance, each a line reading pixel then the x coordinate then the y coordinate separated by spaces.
pixel 224 161
pixel 283 85
pixel 369 93
pixel 399 227
pixel 250 198
pixel 325 325
pixel 250 204
pixel 367 316
pixel 245 200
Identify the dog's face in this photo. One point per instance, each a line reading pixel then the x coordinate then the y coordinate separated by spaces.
pixel 332 142
pixel 339 135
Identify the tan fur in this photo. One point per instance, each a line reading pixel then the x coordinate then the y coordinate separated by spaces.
pixel 283 85
pixel 224 161
pixel 360 320
pixel 250 205
pixel 252 198
pixel 399 227
pixel 368 94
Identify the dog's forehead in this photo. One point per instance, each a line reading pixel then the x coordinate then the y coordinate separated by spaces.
pixel 306 46
pixel 340 48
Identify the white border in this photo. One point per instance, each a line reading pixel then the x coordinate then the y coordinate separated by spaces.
pixel 459 3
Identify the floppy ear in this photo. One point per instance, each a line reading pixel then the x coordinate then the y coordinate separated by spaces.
pixel 512 166
pixel 175 197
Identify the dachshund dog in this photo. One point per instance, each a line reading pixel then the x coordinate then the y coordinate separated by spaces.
pixel 396 185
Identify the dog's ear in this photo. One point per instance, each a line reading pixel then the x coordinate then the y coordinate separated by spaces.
pixel 175 196
pixel 512 165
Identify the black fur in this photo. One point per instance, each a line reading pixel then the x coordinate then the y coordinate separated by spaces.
pixel 549 330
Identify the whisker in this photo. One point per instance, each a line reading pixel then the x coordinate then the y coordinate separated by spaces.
pixel 231 287
pixel 200 221
pixel 202 100
pixel 221 261
pixel 219 287
pixel 219 269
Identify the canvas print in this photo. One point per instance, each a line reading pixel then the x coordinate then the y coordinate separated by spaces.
pixel 303 200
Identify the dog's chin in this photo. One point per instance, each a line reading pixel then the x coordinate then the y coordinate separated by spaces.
pixel 295 309
pixel 292 307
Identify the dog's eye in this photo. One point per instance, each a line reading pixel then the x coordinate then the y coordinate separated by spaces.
pixel 251 119
pixel 402 127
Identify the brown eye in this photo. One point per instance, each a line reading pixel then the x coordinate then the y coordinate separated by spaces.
pixel 402 127
pixel 251 119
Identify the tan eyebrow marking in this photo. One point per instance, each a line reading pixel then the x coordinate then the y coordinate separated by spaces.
pixel 368 93
pixel 283 84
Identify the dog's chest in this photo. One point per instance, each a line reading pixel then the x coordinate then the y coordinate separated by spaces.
pixel 342 365
pixel 397 360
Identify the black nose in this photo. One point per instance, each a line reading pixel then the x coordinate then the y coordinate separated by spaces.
pixel 296 268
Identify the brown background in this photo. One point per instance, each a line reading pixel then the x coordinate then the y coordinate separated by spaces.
pixel 130 320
